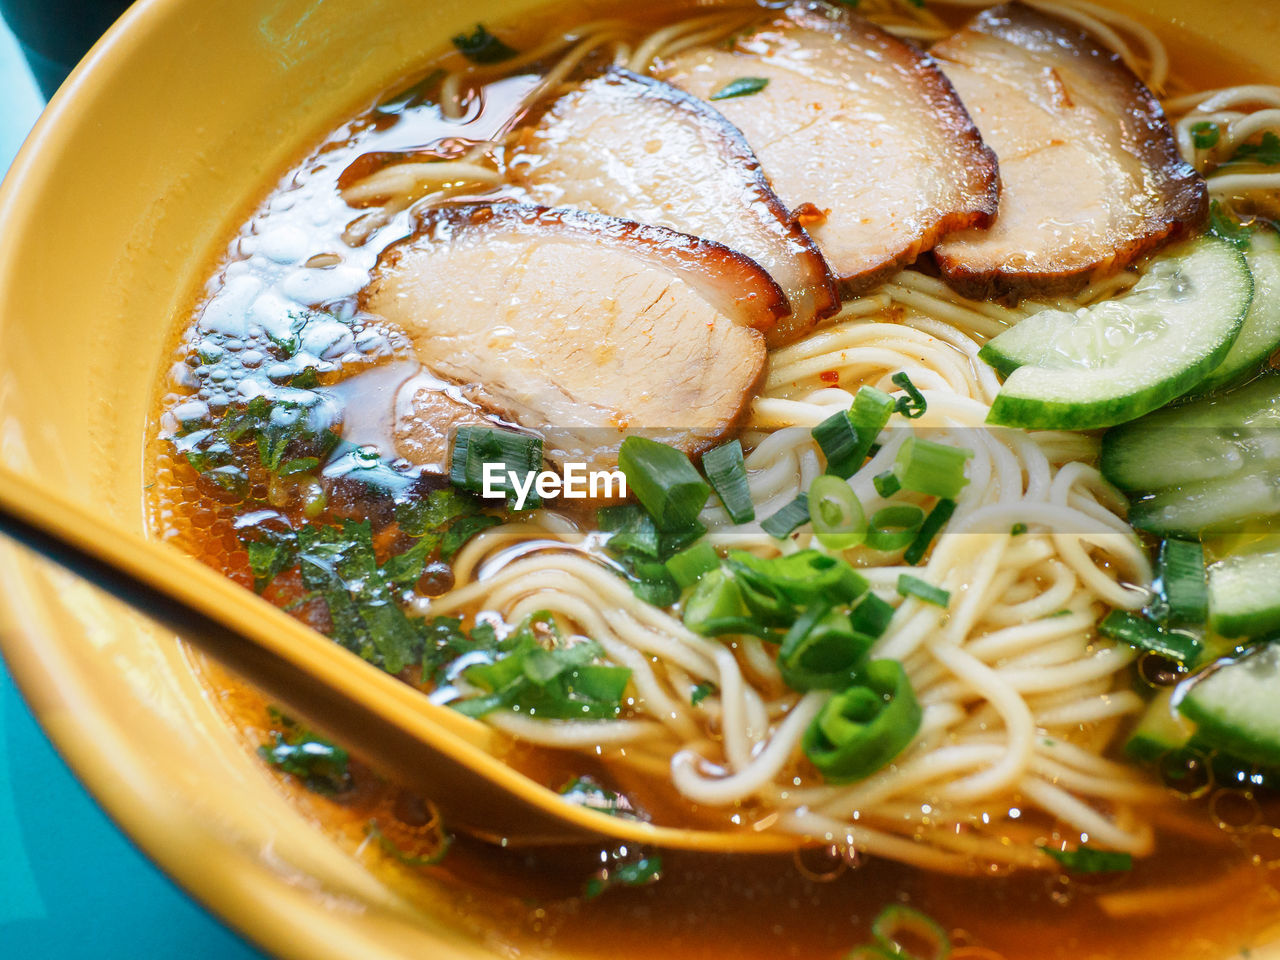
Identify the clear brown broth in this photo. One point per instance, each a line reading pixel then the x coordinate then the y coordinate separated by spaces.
pixel 1217 888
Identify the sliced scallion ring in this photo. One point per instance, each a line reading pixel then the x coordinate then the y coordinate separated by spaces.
pixel 836 513
pixel 893 528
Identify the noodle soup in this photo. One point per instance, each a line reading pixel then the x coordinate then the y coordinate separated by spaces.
pixel 890 633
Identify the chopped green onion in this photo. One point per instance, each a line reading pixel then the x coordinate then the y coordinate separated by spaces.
pixel 872 615
pixel 633 531
pixel 1205 134
pixel 512 452
pixel 787 520
pixel 893 528
pixel 1142 633
pixel 838 519
pixel 903 932
pixel 802 578
pixel 887 483
pixel 481 46
pixel 822 651
pixel 870 414
pixel 701 692
pixel 1017 530
pixel 909 586
pixel 727 472
pixel 937 519
pixel 740 87
pixel 838 440
pixel 1090 860
pixel 689 566
pixel 860 730
pixel 664 481
pixel 846 437
pixel 716 608
pixel 1182 580
pixel 931 468
pixel 913 405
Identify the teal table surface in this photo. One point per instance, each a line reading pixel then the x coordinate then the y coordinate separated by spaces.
pixel 71 885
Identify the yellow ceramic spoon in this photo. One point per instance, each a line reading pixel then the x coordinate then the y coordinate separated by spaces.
pixel 444 755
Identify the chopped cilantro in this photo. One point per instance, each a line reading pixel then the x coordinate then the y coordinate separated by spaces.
pixel 585 792
pixel 1266 151
pixel 701 692
pixel 533 671
pixel 1090 860
pixel 1223 223
pixel 481 46
pixel 321 765
pixel 633 873
pixel 1205 134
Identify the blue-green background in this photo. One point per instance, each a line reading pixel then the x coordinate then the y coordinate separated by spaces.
pixel 71 885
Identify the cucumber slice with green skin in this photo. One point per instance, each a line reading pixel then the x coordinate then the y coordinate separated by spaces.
pixel 1124 357
pixel 1260 333
pixel 1161 730
pixel 1244 595
pixel 1236 706
pixel 1212 506
pixel 1208 439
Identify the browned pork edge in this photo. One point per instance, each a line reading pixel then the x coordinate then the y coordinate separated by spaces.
pixel 824 300
pixel 977 207
pixel 747 293
pixel 1184 190
pixel 737 285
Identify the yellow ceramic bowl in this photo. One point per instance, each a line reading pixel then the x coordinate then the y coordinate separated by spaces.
pixel 157 147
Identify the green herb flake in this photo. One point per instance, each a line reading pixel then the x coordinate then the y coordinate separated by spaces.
pixel 740 87
pixel 701 692
pixel 1266 151
pixel 481 46
pixel 633 873
pixel 1017 530
pixel 587 793
pixel 1205 134
pixel 1225 225
pixel 322 766
pixel 1087 859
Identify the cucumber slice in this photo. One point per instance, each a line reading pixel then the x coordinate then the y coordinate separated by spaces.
pixel 1122 358
pixel 1205 440
pixel 1209 465
pixel 1260 333
pixel 1210 506
pixel 1161 730
pixel 1236 707
pixel 1244 594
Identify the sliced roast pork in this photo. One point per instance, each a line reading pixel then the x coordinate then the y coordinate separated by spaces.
pixel 638 148
pixel 580 326
pixel 1091 175
pixel 859 133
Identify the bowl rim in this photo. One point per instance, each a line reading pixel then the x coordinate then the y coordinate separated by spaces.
pixel 249 907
